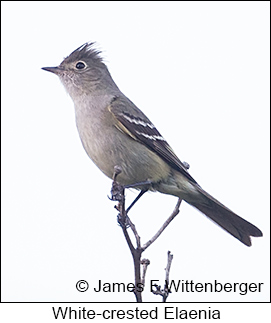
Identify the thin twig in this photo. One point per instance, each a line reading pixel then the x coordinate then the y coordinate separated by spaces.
pixel 124 221
pixel 136 252
pixel 169 261
pixel 172 216
pixel 164 292
pixel 117 193
pixel 167 269
pixel 145 263
pixel 133 228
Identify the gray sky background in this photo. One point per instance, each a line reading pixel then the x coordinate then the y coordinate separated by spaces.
pixel 200 71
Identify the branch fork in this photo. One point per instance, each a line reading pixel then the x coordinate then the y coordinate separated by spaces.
pixel 117 194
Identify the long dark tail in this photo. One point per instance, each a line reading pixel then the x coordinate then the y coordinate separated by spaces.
pixel 229 221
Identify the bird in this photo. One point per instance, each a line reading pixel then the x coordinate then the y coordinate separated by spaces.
pixel 115 132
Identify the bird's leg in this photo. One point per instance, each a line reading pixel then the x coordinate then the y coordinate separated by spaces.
pixel 144 188
pixel 117 194
pixel 136 199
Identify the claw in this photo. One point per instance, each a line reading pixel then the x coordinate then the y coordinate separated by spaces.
pixel 123 221
pixel 117 192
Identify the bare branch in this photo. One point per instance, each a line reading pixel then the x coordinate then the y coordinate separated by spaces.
pixel 165 292
pixel 166 289
pixel 169 261
pixel 132 226
pixel 117 194
pixel 145 263
pixel 172 216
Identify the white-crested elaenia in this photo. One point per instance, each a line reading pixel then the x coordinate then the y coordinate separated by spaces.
pixel 114 132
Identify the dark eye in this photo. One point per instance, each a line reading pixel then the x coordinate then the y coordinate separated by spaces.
pixel 80 65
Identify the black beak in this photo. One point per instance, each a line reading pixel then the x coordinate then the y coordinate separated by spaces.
pixel 54 70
